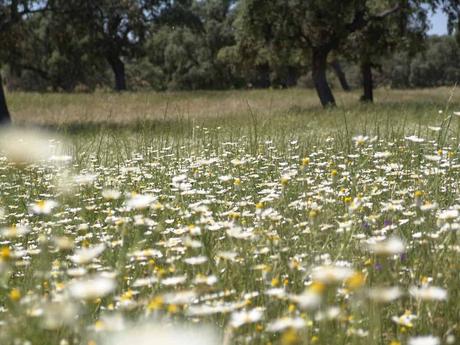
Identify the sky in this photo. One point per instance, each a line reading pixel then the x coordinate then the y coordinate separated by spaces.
pixel 438 24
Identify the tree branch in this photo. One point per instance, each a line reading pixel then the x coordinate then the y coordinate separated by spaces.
pixel 360 20
pixel 386 13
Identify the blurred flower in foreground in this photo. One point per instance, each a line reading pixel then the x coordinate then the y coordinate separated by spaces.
pixel 414 139
pixel 449 214
pixel 85 179
pixel 385 294
pixel 356 281
pixel 85 255
pixel 405 319
pixel 390 246
pixel 240 318
pixel 111 194
pixel 43 206
pixel 15 295
pixel 64 243
pixel 56 314
pixel 28 146
pixel 331 274
pixel 140 201
pixel 285 323
pixel 429 293
pixel 309 299
pixel 161 335
pixel 92 288
pixel 424 340
pixel 14 231
pixel 111 322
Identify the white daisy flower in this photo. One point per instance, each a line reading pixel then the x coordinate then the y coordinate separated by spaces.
pixel 86 255
pixel 424 340
pixel 390 246
pixel 173 281
pixel 243 317
pixel 285 323
pixel 385 295
pixel 140 201
pixel 331 274
pixel 92 288
pixel 111 194
pixel 429 293
pixel 43 206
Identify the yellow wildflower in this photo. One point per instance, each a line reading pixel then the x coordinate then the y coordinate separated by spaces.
pixel 356 281
pixel 290 337
pixel 15 295
pixel 5 253
pixel 172 308
pixel 317 287
pixel 156 303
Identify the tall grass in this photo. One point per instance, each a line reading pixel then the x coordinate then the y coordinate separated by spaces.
pixel 254 213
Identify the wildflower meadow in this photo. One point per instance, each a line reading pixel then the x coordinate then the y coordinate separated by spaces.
pixel 258 229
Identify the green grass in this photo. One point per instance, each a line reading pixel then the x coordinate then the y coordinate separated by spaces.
pixel 247 196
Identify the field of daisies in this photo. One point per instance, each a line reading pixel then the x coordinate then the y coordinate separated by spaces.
pixel 347 238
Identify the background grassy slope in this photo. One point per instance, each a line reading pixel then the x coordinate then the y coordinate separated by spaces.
pixel 281 106
pixel 114 125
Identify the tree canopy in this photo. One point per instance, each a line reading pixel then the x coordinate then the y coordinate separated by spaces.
pixel 215 44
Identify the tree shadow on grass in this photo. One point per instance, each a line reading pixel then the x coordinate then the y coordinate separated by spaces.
pixel 178 126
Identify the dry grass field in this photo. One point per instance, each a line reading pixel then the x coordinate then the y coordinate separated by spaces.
pixel 201 106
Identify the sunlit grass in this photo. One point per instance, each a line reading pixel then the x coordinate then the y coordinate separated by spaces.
pixel 222 106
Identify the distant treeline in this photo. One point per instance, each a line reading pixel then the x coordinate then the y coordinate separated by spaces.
pixel 178 59
pixel 82 45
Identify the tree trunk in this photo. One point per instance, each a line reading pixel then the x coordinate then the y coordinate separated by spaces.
pixel 366 70
pixel 319 62
pixel 292 76
pixel 262 78
pixel 4 113
pixel 118 68
pixel 335 64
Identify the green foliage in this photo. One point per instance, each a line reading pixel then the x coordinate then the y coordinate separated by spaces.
pixel 187 56
pixel 438 65
pixel 218 44
pixel 60 54
pixel 265 44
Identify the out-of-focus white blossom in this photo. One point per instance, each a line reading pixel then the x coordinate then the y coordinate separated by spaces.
pixel 240 318
pixel 92 288
pixel 28 146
